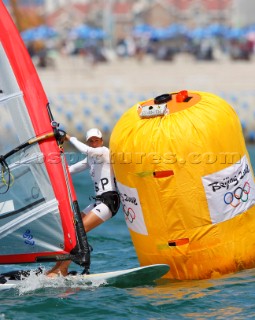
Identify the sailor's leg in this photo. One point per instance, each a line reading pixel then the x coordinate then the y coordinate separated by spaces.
pixel 60 269
pixel 96 216
pixel 91 219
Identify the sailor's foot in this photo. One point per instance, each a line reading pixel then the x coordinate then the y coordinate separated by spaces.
pixel 60 269
pixel 56 273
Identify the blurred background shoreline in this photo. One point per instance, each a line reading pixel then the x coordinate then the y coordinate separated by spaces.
pixel 82 95
pixel 98 58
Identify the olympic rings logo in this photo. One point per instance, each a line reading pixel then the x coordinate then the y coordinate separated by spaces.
pixel 129 214
pixel 240 194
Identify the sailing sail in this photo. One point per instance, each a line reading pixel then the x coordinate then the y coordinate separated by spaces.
pixel 39 213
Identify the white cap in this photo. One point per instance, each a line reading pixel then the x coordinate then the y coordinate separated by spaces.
pixel 94 132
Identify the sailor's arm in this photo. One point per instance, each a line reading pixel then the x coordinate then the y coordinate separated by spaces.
pixel 83 148
pixel 79 166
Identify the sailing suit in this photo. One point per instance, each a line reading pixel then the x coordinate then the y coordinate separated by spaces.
pixel 98 161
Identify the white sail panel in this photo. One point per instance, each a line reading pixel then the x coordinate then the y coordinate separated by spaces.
pixel 12 107
pixel 30 196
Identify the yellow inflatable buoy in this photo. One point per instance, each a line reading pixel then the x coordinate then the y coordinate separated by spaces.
pixel 186 184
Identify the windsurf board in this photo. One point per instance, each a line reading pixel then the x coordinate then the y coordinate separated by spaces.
pixel 133 277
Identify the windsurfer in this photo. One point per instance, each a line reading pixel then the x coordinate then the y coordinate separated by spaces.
pixel 107 199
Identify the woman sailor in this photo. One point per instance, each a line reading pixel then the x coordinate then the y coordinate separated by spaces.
pixel 107 199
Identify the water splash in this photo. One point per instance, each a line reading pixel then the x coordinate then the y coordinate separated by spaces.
pixel 40 281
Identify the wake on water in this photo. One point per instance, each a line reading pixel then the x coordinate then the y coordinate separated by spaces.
pixel 37 281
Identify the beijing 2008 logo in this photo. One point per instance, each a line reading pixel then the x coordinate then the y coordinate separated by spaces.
pixel 129 212
pixel 240 194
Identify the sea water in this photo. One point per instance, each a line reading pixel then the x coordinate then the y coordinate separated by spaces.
pixel 230 297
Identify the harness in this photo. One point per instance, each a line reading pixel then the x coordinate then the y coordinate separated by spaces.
pixel 111 199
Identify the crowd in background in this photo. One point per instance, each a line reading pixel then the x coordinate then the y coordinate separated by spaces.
pixel 200 44
pixel 76 108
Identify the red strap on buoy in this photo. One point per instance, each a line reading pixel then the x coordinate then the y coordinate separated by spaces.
pixel 178 242
pixel 163 174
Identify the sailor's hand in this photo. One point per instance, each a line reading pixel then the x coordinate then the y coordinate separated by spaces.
pixel 60 136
